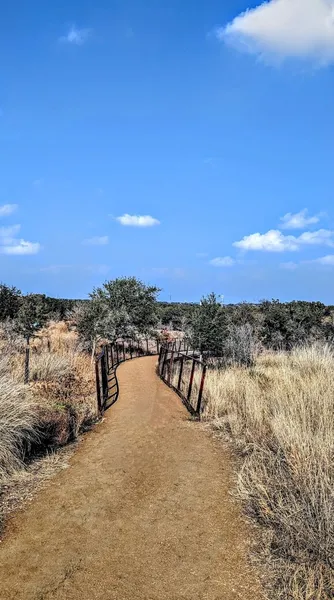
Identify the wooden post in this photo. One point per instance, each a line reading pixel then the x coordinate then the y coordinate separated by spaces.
pixel 27 361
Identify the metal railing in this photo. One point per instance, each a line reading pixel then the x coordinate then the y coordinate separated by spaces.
pixel 107 361
pixel 184 371
pixel 179 367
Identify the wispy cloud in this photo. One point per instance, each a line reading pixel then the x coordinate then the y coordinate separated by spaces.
pixel 21 247
pixel 289 266
pixel 224 261
pixel 137 220
pixel 97 241
pixel 285 29
pixel 8 209
pixel 10 244
pixel 325 260
pixel 299 220
pixel 275 241
pixel 76 36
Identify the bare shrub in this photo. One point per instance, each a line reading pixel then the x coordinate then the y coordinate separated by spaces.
pixel 50 367
pixel 241 346
pixel 280 415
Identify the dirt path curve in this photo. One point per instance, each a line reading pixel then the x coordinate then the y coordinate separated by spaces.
pixel 142 513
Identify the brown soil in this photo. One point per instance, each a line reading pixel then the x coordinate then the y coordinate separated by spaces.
pixel 142 513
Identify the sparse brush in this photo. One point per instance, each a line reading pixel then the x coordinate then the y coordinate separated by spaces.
pixel 280 415
pixel 50 367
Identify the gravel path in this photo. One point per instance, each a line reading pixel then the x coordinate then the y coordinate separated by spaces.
pixel 142 513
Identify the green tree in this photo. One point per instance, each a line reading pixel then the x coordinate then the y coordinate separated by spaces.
pixel 9 301
pixel 129 302
pixel 209 326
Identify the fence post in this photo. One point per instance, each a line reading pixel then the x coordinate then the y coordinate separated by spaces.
pixel 131 349
pixel 147 346
pixel 159 361
pixel 123 350
pixel 112 355
pixel 117 356
pixel 180 374
pixel 164 362
pixel 171 366
pixel 27 361
pixel 200 393
pixel 138 354
pixel 104 377
pixel 191 381
pixel 158 347
pixel 98 388
pixel 107 358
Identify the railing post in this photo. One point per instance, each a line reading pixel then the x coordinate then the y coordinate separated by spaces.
pixel 112 355
pixel 158 347
pixel 164 362
pixel 171 366
pixel 159 361
pixel 131 349
pixel 180 374
pixel 200 393
pixel 147 346
pixel 104 379
pixel 191 381
pixel 123 351
pixel 98 387
pixel 117 356
pixel 107 358
pixel 138 354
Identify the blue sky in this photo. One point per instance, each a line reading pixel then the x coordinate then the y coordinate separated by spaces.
pixel 189 144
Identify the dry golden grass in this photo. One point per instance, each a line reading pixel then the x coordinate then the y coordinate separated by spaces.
pixel 53 409
pixel 280 416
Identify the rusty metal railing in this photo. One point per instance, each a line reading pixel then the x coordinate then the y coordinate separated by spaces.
pixel 179 367
pixel 107 361
pixel 184 371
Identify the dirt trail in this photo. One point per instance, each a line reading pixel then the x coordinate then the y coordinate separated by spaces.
pixel 142 513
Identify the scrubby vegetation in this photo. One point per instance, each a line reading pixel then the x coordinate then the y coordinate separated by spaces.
pixel 270 390
pixel 57 404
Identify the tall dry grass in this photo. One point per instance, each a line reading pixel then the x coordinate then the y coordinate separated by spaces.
pixel 280 415
pixel 57 405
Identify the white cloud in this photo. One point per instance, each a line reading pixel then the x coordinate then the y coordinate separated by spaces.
pixel 7 209
pixel 137 220
pixel 9 244
pixel 325 260
pixel 224 261
pixel 276 241
pixel 97 241
pixel 20 247
pixel 76 36
pixel 299 220
pixel 322 237
pixel 272 241
pixel 285 29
